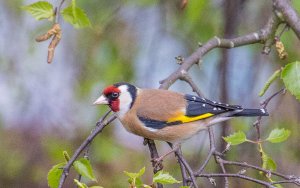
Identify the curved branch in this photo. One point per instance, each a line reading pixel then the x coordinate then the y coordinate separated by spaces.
pixel 185 77
pixel 238 176
pixel 290 179
pixel 289 14
pixel 187 167
pixel 256 37
pixel 57 11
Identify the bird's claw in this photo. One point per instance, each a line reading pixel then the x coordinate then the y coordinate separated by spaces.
pixel 157 162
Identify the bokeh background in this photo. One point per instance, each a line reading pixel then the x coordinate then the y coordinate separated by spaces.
pixel 45 109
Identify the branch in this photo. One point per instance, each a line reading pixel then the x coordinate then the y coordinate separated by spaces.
pixel 185 77
pixel 290 179
pixel 288 14
pixel 154 155
pixel 57 11
pixel 238 176
pixel 185 178
pixel 262 35
pixel 295 181
pixel 100 125
pixel 211 152
pixel 265 35
pixel 181 160
pixel 264 105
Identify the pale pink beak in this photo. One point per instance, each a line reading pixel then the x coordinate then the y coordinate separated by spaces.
pixel 101 100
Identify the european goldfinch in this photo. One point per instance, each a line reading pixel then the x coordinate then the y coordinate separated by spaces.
pixel 166 115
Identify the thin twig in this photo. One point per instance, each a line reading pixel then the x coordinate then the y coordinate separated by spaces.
pixel 288 14
pixel 295 181
pixel 238 176
pixel 256 37
pixel 100 126
pixel 264 35
pixel 243 164
pixel 264 105
pixel 211 152
pixel 187 167
pixel 87 149
pixel 185 178
pixel 266 102
pixel 219 161
pixel 154 155
pixel 185 77
pixel 57 11
pixel 285 28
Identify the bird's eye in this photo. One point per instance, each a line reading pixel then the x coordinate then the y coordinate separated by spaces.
pixel 115 95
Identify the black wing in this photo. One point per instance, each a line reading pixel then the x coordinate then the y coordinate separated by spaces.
pixel 198 106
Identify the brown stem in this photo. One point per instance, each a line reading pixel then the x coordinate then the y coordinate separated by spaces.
pixel 286 12
pixel 154 155
pixel 256 37
pixel 187 167
pixel 267 184
pixel 58 9
pixel 101 124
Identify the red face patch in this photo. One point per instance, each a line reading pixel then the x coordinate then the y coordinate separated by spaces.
pixel 112 95
pixel 115 105
pixel 110 89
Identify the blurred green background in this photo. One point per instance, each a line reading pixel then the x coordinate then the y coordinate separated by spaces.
pixel 46 109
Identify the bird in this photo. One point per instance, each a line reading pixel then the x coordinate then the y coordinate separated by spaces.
pixel 166 115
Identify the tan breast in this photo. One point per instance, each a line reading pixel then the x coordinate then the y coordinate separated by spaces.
pixel 173 133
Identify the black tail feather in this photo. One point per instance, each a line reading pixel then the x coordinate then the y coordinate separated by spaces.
pixel 252 112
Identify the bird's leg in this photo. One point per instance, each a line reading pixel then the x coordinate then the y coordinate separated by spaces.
pixel 174 148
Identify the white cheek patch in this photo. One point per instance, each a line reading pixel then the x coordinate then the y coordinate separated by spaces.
pixel 125 100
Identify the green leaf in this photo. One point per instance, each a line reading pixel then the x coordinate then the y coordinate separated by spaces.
pixel 268 162
pixel 236 138
pixel 164 178
pixel 291 78
pixel 135 175
pixel 269 82
pixel 84 168
pixel 76 16
pixel 278 135
pixel 54 175
pixel 134 178
pixel 40 10
pixel 184 187
pixel 80 184
pixel 138 182
pixel 130 174
pixel 141 172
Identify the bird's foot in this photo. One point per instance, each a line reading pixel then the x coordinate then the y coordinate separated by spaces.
pixel 157 162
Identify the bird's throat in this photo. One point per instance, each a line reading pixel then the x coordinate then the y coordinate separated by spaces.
pixel 115 105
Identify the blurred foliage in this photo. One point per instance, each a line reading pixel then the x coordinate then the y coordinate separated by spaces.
pixel 107 53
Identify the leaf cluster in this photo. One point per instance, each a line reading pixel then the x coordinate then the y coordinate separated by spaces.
pixel 72 14
pixel 276 136
pixel 290 75
pixel 162 177
pixel 82 167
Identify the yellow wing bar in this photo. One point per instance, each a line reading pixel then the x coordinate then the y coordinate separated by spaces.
pixel 185 119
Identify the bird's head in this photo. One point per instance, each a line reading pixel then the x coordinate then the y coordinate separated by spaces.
pixel 119 97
